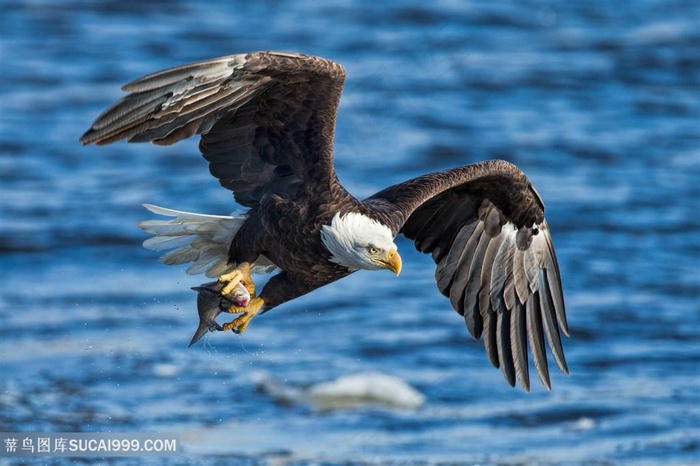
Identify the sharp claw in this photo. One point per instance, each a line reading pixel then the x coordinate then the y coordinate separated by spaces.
pixel 230 285
pixel 227 277
pixel 240 323
pixel 237 285
pixel 235 327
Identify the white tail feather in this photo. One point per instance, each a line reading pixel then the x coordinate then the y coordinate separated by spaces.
pixel 201 239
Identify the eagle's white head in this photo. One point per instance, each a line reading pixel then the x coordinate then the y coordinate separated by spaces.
pixel 357 242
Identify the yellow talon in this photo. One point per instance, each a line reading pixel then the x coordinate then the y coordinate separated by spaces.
pixel 240 323
pixel 230 280
pixel 236 310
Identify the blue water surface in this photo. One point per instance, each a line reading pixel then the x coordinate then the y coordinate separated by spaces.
pixel 598 102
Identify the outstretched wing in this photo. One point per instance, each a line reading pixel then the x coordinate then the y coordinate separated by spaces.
pixel 267 119
pixel 484 226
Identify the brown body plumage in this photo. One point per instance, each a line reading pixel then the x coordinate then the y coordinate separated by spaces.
pixel 267 121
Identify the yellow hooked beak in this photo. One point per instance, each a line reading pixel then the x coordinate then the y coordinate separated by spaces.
pixel 392 261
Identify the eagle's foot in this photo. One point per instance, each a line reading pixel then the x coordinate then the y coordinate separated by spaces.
pixel 231 281
pixel 240 323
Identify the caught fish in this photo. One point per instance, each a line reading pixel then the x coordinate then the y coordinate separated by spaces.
pixel 210 304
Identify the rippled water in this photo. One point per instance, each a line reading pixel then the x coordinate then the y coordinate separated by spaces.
pixel 598 102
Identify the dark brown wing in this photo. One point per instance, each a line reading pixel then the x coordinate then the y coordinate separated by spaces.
pixel 267 119
pixel 484 226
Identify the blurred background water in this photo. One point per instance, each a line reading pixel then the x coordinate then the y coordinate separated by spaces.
pixel 598 102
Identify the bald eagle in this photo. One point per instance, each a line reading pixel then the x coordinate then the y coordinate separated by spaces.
pixel 266 122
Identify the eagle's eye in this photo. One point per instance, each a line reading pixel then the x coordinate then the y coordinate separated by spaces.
pixel 373 250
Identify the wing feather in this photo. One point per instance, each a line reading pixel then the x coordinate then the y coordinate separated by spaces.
pixel 490 325
pixel 534 331
pixel 554 282
pixel 503 342
pixel 520 279
pixel 467 234
pixel 518 341
pixel 472 314
pixel 549 320
pixel 502 273
pixel 486 275
pixel 214 69
pixel 461 278
pixel 445 271
pixel 484 226
pixel 266 120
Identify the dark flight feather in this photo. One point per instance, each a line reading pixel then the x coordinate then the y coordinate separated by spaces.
pixel 499 270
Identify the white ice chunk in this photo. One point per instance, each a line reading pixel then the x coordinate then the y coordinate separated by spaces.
pixel 366 388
